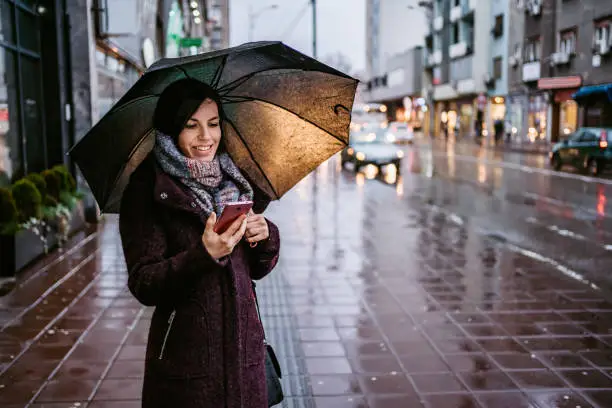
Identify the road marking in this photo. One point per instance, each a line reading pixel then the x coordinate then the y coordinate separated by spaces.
pixel 565 233
pixel 526 169
pixel 561 268
pixel 523 251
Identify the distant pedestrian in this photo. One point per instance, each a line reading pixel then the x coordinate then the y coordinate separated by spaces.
pixel 498 127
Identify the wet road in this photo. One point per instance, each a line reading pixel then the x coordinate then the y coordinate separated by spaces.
pixel 564 216
pixel 458 286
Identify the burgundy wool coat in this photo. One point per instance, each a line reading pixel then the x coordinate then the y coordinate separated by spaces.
pixel 205 346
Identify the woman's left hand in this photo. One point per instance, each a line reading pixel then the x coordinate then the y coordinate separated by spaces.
pixel 256 228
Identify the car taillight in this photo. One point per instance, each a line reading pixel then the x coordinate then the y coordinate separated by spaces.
pixel 603 139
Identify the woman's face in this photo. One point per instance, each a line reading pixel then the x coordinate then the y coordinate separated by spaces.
pixel 201 135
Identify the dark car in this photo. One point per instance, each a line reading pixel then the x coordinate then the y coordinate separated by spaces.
pixel 371 146
pixel 588 149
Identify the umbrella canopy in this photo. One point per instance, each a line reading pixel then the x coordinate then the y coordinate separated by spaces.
pixel 285 114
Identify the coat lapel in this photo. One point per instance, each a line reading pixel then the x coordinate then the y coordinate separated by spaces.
pixel 171 193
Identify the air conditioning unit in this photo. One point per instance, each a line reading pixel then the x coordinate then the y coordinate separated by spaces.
pixel 489 81
pixel 513 60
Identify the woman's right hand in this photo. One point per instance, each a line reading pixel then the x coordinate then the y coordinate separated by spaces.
pixel 220 245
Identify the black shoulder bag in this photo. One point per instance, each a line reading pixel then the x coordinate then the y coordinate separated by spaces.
pixel 273 371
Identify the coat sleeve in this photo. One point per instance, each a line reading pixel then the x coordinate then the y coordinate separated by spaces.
pixel 154 277
pixel 264 257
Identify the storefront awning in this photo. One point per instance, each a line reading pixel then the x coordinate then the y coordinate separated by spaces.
pixel 594 91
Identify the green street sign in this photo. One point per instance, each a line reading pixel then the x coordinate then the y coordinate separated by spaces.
pixel 190 42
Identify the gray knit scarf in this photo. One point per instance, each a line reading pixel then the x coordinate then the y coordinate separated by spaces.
pixel 213 183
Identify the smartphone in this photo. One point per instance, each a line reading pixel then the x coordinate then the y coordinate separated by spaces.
pixel 230 213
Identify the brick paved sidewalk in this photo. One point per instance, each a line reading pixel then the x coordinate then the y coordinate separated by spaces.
pixel 378 302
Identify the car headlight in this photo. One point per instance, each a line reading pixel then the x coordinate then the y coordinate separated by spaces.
pixel 390 137
pixel 350 151
pixel 400 154
pixel 360 156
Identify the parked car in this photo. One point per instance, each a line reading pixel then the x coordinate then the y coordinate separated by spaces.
pixel 371 146
pixel 399 132
pixel 588 149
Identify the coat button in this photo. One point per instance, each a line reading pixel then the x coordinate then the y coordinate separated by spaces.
pixel 163 196
pixel 193 205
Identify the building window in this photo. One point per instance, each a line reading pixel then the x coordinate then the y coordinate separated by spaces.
pixel 532 50
pixel 22 132
pixel 497 67
pixel 567 42
pixel 10 140
pixel 456 3
pixel 455 33
pixel 498 28
pixel 602 37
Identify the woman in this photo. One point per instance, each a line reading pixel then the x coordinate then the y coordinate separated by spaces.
pixel 205 346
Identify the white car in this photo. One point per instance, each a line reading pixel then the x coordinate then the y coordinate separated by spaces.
pixel 399 132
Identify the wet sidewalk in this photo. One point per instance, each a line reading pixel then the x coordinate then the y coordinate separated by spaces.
pixel 378 301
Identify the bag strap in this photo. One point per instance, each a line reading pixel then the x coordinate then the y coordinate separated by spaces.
pixel 253 284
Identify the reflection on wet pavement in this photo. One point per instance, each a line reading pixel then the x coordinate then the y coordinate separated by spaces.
pixel 425 293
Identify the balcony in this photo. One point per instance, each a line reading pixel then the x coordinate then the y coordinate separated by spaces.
pixel 458 50
pixel 531 71
pixel 461 69
pixel 438 23
pixel 455 13
pixel 434 58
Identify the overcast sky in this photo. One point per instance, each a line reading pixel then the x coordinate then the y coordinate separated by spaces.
pixel 340 26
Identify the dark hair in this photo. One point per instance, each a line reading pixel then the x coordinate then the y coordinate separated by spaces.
pixel 178 102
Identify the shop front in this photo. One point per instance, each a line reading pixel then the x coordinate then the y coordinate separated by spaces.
pixel 454 118
pixel 564 110
pixel 537 117
pixel 516 108
pixel 596 105
pixel 496 116
pixel 22 113
pixel 461 117
pixel 409 109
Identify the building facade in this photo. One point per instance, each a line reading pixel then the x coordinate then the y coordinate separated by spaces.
pixel 218 24
pixel 399 88
pixel 458 65
pixel 516 99
pixel 582 57
pixel 65 62
pixel 556 48
pixel 497 83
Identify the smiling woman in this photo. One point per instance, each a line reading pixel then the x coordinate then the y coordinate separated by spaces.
pixel 199 278
pixel 201 136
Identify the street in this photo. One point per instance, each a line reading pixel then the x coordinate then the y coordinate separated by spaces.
pixel 477 279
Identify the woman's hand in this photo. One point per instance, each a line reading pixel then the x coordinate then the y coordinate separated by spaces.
pixel 256 228
pixel 220 245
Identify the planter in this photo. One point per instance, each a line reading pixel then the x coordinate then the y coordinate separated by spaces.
pixel 19 250
pixel 7 256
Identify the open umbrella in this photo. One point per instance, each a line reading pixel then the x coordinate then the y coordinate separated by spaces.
pixel 286 113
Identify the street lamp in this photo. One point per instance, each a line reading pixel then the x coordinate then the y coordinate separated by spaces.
pixel 253 16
